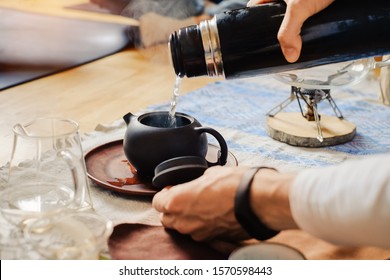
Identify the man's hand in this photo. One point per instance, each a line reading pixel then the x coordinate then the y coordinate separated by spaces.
pixel 296 13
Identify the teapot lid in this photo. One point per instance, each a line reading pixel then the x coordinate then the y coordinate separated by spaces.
pixel 178 170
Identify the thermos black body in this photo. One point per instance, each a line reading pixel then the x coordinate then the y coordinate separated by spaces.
pixel 243 42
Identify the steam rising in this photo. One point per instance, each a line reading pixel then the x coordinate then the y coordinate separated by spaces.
pixel 158 19
pixel 179 9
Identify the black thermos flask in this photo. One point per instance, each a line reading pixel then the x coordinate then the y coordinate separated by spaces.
pixel 243 42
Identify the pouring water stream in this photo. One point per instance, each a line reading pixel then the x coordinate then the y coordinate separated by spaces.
pixel 176 93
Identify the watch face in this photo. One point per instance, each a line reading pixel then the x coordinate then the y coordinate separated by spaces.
pixel 266 251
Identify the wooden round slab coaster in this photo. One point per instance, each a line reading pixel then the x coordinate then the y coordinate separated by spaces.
pixel 293 129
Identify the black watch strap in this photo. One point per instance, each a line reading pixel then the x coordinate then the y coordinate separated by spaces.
pixel 243 210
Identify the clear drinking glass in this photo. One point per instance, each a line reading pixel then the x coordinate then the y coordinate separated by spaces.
pixel 75 236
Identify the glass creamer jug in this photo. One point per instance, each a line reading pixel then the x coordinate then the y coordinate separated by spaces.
pixel 47 161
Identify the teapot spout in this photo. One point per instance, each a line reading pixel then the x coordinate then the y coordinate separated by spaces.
pixel 127 117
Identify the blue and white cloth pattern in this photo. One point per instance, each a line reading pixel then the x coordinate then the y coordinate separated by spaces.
pixel 237 109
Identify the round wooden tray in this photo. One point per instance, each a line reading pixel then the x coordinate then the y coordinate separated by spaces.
pixel 108 167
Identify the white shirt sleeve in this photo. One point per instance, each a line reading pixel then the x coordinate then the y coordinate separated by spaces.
pixel 346 204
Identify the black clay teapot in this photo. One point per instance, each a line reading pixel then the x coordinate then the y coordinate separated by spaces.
pixel 169 154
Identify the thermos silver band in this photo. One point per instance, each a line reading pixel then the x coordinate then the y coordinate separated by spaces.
pixel 211 46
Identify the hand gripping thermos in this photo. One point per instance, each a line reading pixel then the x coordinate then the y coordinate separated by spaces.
pixel 243 42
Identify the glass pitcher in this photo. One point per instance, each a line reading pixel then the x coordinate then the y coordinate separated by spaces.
pixel 47 158
pixel 331 75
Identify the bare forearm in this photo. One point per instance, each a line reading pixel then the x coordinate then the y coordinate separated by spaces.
pixel 270 198
pixel 346 204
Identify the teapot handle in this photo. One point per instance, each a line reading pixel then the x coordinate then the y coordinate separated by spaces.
pixel 223 152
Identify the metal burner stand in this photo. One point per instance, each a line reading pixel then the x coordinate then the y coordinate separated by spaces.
pixel 311 97
pixel 308 99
